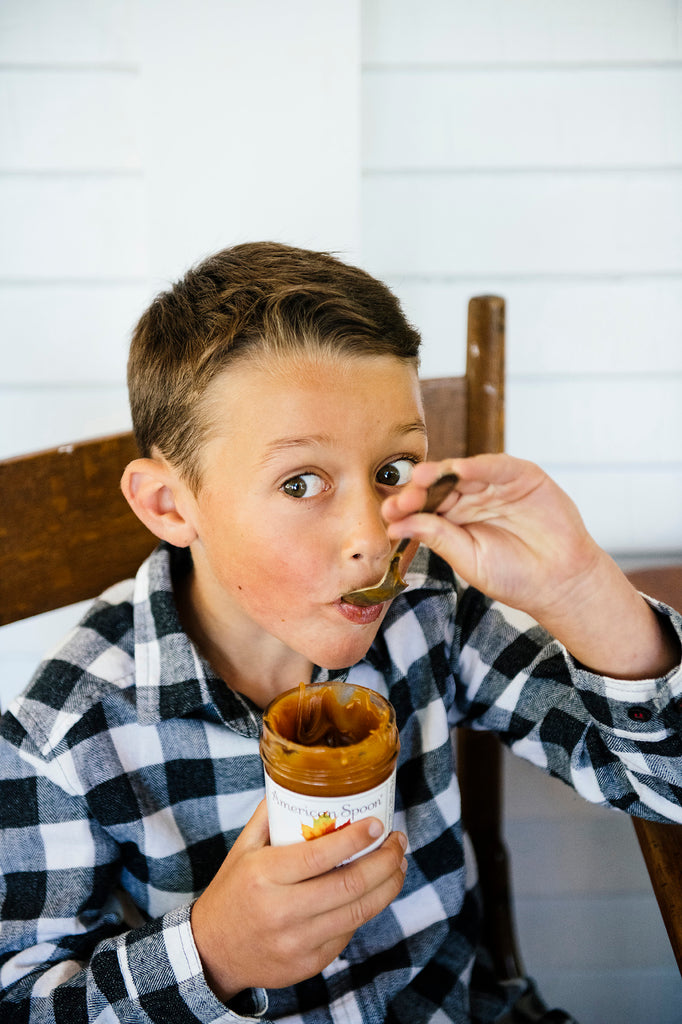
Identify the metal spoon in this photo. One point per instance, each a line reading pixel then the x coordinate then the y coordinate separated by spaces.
pixel 392 583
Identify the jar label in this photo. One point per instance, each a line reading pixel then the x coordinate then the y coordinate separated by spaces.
pixel 297 817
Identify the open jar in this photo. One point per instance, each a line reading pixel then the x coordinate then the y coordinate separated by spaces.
pixel 329 752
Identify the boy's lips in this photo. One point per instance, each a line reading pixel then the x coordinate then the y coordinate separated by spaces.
pixel 360 616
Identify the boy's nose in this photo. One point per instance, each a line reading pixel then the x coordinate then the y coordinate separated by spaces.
pixel 365 537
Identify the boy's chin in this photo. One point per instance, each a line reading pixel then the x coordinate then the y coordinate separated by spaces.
pixel 342 658
pixel 337 648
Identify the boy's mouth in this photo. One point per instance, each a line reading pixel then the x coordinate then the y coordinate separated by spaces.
pixel 360 616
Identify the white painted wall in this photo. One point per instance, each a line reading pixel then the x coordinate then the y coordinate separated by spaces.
pixel 517 146
pixel 136 137
pixel 534 150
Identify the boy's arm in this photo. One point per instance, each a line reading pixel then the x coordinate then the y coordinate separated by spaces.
pixel 512 533
pixel 294 909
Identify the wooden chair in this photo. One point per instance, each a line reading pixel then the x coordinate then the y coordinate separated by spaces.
pixel 66 533
pixel 661 844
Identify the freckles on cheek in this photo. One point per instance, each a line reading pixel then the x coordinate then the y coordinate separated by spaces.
pixel 272 572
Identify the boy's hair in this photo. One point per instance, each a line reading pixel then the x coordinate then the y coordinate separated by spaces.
pixel 258 299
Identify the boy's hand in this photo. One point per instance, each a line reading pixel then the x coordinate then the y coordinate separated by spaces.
pixel 273 916
pixel 510 531
pixel 507 529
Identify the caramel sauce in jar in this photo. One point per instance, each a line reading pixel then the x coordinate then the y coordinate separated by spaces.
pixel 329 751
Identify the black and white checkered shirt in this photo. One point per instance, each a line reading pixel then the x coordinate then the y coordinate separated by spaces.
pixel 127 770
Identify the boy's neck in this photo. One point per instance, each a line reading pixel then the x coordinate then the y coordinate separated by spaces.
pixel 259 671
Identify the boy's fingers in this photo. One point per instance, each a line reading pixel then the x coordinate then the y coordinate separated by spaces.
pixel 410 499
pixel 474 472
pixel 343 900
pixel 310 859
pixel 362 882
pixel 364 903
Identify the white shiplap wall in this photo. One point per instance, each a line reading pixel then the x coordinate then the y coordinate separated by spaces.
pixel 73 255
pixel 137 136
pixel 534 149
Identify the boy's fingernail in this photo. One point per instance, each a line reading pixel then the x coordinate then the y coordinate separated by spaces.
pixel 402 839
pixel 375 828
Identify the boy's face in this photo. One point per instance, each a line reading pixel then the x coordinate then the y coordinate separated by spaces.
pixel 299 459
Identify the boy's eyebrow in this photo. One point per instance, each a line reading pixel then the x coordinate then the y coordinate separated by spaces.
pixel 283 444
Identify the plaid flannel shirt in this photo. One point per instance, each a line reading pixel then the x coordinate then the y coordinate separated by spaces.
pixel 128 770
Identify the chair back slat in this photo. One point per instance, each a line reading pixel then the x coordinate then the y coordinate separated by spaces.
pixel 445 409
pixel 66 531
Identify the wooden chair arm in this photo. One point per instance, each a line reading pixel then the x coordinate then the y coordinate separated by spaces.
pixel 661 844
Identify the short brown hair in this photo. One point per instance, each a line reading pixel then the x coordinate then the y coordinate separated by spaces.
pixel 260 297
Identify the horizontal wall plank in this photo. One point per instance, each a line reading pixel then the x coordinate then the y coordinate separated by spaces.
pixel 633 510
pixel 71 31
pixel 535 223
pixel 540 119
pixel 72 227
pixel 441 31
pixel 627 326
pixel 32 419
pixel 596 421
pixel 69 120
pixel 268 101
pixel 61 333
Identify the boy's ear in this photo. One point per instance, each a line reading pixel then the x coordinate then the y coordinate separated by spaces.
pixel 160 499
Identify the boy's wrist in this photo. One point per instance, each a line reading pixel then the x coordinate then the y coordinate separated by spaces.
pixel 225 988
pixel 611 629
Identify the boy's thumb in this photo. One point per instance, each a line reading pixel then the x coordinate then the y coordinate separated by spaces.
pixel 256 832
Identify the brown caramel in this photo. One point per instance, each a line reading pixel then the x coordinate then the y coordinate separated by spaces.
pixel 329 739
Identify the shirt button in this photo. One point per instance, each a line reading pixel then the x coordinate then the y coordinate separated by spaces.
pixel 639 714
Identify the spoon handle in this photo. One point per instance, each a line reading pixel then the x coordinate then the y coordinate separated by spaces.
pixel 436 493
pixel 439 490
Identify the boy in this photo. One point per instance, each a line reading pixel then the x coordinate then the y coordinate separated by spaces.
pixel 283 451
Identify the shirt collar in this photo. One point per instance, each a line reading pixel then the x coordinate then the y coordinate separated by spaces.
pixel 173 679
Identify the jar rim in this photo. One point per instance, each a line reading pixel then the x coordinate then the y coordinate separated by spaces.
pixel 313 748
pixel 375 753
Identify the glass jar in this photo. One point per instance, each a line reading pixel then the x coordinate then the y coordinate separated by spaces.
pixel 329 752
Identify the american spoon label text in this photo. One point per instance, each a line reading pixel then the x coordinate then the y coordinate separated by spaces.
pixel 297 817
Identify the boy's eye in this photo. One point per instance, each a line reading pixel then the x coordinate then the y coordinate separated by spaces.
pixel 307 485
pixel 394 474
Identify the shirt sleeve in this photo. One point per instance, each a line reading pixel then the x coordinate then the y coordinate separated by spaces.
pixel 615 742
pixel 67 951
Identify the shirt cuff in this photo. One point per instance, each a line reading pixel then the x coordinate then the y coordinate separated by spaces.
pixel 639 706
pixel 161 971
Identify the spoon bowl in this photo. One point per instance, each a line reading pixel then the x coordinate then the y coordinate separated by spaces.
pixel 392 583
